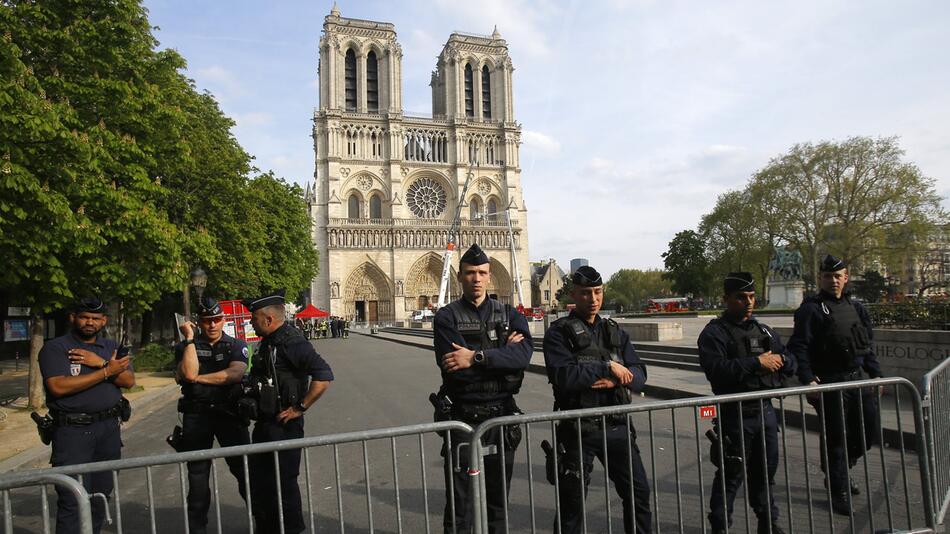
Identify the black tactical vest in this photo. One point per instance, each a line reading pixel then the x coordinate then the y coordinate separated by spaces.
pixel 581 343
pixel 211 359
pixel 270 363
pixel 479 335
pixel 750 343
pixel 843 340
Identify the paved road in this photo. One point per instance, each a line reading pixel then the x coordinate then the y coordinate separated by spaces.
pixel 383 384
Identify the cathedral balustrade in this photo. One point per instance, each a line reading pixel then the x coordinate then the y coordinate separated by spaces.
pixel 437 223
pixel 426 144
pixel 426 238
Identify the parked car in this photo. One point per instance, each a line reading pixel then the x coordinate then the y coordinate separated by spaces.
pixel 422 315
pixel 533 314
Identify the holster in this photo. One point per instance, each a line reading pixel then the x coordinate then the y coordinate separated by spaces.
pixel 45 426
pixel 552 471
pixel 175 439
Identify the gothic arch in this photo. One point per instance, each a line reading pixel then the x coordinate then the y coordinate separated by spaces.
pixel 374 46
pixel 423 279
pixel 354 180
pixel 368 284
pixel 350 43
pixel 500 283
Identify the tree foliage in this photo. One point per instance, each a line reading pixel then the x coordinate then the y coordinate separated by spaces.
pixel 117 176
pixel 630 289
pixel 687 265
pixel 736 238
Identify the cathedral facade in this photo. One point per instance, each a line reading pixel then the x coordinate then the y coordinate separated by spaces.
pixel 388 183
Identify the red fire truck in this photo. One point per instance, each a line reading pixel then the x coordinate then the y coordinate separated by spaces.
pixel 668 305
pixel 237 321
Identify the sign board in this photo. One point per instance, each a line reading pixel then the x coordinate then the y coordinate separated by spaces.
pixel 707 412
pixel 16 329
pixel 229 328
pixel 18 311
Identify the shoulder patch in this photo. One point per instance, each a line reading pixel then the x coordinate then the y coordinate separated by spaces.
pixel 244 352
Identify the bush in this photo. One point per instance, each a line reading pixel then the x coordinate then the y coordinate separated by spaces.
pixel 154 357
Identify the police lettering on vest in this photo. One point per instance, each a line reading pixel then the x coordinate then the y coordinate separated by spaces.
pixel 479 335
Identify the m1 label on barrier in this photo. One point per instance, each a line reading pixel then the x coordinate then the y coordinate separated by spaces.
pixel 707 412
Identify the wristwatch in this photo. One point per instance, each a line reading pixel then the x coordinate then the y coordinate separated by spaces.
pixel 300 407
pixel 187 342
pixel 479 358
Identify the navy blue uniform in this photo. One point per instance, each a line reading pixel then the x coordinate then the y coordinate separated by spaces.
pixel 208 413
pixel 473 404
pixel 811 344
pixel 81 443
pixel 296 363
pixel 732 366
pixel 571 378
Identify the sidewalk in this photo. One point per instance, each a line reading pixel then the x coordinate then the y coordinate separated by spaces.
pixel 22 446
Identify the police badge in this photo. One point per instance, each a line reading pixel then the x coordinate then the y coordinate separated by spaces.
pixel 74 369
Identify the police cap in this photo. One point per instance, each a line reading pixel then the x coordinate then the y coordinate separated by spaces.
pixel 272 299
pixel 738 281
pixel 587 276
pixel 831 264
pixel 208 307
pixel 474 256
pixel 89 304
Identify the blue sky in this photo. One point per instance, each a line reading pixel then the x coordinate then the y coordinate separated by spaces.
pixel 636 115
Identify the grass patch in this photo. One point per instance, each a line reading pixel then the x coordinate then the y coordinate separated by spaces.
pixel 154 357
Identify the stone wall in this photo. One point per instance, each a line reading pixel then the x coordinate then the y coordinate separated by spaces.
pixel 906 353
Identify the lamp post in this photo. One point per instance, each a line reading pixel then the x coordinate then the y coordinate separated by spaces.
pixel 198 280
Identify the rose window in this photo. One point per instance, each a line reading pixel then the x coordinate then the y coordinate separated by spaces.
pixel 426 198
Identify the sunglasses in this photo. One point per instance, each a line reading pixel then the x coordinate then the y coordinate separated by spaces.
pixel 211 320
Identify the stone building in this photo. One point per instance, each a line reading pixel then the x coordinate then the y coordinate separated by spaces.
pixel 387 183
pixel 547 279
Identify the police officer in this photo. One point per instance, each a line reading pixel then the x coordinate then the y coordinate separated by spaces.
pixel 740 354
pixel 482 348
pixel 290 377
pixel 592 363
pixel 82 376
pixel 832 341
pixel 210 368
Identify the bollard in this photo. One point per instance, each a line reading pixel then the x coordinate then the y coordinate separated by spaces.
pixel 17 365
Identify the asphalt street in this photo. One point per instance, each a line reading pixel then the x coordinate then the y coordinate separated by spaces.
pixel 396 485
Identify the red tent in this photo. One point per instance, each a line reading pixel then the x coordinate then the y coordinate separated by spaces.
pixel 311 312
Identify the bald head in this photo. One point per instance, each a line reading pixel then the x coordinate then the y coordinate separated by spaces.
pixel 267 319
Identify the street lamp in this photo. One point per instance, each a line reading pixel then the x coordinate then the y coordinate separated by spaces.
pixel 199 281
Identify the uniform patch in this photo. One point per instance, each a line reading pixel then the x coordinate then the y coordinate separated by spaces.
pixel 204 353
pixel 244 352
pixel 219 357
pixel 75 369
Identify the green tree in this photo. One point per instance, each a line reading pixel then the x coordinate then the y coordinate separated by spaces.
pixel 687 266
pixel 563 295
pixel 842 198
pixel 736 237
pixel 632 288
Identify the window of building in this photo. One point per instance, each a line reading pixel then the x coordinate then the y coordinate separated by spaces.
pixel 469 92
pixel 474 209
pixel 375 207
pixel 547 295
pixel 486 93
pixel 353 207
pixel 426 198
pixel 492 210
pixel 350 80
pixel 372 83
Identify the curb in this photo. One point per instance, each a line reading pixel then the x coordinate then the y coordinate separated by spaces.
pixel 141 408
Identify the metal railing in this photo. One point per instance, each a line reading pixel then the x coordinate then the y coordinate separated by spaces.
pixel 357 490
pixel 936 407
pixel 155 516
pixel 670 438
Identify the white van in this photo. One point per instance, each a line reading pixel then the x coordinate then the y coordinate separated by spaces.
pixel 422 315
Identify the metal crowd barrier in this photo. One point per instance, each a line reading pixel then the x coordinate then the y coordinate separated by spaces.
pixel 373 491
pixel 936 407
pixel 670 434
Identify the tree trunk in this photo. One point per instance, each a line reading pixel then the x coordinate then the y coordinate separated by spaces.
pixel 146 328
pixel 37 396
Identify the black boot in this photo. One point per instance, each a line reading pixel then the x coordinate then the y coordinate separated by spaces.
pixel 841 503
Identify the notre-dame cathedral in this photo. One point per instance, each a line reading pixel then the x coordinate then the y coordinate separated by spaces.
pixel 387 182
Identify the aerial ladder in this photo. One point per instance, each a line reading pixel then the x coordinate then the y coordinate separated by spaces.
pixel 450 242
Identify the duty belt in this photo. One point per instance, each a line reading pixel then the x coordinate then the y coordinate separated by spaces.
pixel 843 376
pixel 476 413
pixel 195 406
pixel 83 419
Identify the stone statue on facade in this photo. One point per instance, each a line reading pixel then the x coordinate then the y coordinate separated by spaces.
pixel 785 286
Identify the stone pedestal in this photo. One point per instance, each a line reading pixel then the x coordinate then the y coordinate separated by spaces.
pixel 785 294
pixel 653 331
